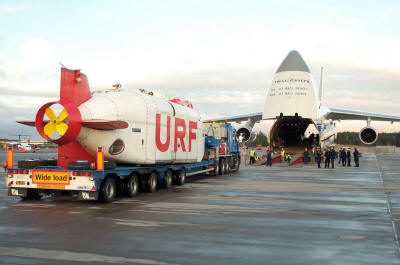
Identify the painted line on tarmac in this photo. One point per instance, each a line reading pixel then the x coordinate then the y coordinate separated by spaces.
pixel 36 253
pixel 145 223
pixel 35 205
pixel 389 206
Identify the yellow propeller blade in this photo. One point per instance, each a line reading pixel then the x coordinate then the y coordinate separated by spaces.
pixel 56 123
pixel 62 127
pixel 63 115
pixel 50 114
pixel 50 128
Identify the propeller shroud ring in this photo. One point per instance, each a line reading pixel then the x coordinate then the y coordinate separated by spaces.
pixel 74 122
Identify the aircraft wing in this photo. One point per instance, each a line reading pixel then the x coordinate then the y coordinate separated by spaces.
pixel 238 118
pixel 345 114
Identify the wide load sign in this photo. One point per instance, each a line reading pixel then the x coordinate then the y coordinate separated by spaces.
pixel 50 179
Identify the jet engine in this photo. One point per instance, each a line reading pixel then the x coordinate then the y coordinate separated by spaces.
pixel 245 134
pixel 368 135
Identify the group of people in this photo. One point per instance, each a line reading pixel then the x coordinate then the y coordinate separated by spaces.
pixel 330 155
pixel 248 155
pixel 316 155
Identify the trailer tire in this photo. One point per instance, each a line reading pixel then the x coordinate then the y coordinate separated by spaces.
pixel 181 178
pixel 216 169
pixel 108 190
pixel 132 187
pixel 222 166
pixel 236 163
pixel 167 181
pixel 226 164
pixel 151 182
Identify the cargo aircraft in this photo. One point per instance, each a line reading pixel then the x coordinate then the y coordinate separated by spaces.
pixel 293 103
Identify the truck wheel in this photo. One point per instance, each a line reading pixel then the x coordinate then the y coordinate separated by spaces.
pixel 151 182
pixel 222 166
pixel 167 181
pixel 181 177
pixel 133 186
pixel 108 190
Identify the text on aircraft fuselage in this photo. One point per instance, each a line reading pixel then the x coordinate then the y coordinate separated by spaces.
pixel 179 133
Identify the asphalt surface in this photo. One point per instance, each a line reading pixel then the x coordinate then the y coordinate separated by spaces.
pixel 278 215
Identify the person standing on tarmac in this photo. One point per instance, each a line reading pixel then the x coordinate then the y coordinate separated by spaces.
pixel 332 154
pixel 252 156
pixel 269 152
pixel 306 156
pixel 282 155
pixel 313 150
pixel 318 156
pixel 348 155
pixel 246 155
pixel 342 155
pixel 356 155
pixel 327 158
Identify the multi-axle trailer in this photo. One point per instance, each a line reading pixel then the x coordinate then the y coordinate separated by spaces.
pixel 104 180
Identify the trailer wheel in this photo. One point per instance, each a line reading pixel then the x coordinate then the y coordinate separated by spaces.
pixel 108 190
pixel 236 163
pixel 226 164
pixel 216 169
pixel 133 186
pixel 181 177
pixel 222 166
pixel 151 182
pixel 167 181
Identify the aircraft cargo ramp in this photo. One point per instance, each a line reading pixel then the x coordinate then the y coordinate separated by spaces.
pixel 276 161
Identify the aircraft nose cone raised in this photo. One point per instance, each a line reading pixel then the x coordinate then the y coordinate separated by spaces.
pixel 293 62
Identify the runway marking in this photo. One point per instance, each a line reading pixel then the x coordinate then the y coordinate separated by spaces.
pixel 71 212
pixel 34 205
pixel 389 207
pixel 72 256
pixel 352 237
pixel 145 223
pixel 169 212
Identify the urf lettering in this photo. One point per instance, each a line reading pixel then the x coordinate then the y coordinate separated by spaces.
pixel 179 134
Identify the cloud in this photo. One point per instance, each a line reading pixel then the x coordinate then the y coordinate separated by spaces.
pixel 34 71
pixel 14 8
pixel 336 15
pixel 222 73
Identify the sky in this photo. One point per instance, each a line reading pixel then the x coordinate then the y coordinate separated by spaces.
pixel 221 55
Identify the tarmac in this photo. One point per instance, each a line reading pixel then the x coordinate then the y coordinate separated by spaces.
pixel 277 215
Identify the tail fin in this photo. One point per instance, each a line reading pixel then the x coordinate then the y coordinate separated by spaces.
pixel 74 87
pixel 292 92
